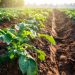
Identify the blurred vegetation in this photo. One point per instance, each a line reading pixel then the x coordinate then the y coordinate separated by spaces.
pixel 11 3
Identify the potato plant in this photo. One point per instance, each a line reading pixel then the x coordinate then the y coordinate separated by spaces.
pixel 18 41
pixel 8 14
pixel 18 38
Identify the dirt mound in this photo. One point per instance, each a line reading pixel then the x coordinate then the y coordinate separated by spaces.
pixel 60 24
pixel 64 33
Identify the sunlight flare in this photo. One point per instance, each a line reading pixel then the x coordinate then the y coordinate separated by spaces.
pixel 54 2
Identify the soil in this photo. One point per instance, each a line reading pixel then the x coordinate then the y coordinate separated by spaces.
pixel 64 33
pixel 60 59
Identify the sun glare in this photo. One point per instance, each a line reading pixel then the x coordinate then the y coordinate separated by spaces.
pixel 54 2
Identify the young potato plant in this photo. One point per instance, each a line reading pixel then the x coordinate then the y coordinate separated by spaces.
pixel 18 40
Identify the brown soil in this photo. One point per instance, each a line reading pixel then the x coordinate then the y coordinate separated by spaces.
pixel 6 24
pixel 64 33
pixel 60 59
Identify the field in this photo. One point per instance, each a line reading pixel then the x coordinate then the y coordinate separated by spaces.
pixel 37 41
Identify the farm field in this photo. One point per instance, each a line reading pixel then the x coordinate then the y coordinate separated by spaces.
pixel 37 41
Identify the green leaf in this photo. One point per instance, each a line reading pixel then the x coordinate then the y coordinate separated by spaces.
pixel 11 34
pixel 2 31
pixel 27 65
pixel 32 68
pixel 41 55
pixel 12 31
pixel 7 38
pixel 21 26
pixel 1 37
pixel 11 56
pixel 23 64
pixel 25 33
pixel 49 38
pixel 34 34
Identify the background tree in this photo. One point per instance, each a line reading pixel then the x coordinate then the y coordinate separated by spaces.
pixel 11 3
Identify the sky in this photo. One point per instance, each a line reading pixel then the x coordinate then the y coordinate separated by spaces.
pixel 54 2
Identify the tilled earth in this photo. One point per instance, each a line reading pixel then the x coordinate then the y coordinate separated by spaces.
pixel 60 59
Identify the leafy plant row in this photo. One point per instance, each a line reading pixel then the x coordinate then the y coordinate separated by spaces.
pixel 8 14
pixel 18 43
pixel 70 13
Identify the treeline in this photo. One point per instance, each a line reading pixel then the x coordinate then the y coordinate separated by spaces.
pixel 11 3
